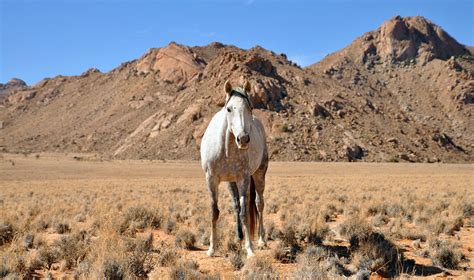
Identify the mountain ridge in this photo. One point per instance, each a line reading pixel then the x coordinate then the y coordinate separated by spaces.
pixel 360 103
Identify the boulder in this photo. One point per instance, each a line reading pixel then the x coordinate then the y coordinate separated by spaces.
pixel 354 152
pixel 320 111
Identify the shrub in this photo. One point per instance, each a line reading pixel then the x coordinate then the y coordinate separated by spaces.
pixel 18 267
pixel 71 248
pixel 316 263
pixel 272 231
pixel 167 256
pixel 372 251
pixel 112 270
pixel 170 225
pixel 317 235
pixel 236 260
pixel 445 254
pixel 285 254
pixel 140 217
pixel 259 269
pixel 185 270
pixel 47 255
pixel 6 233
pixel 28 241
pixel 62 228
pixel 185 239
pixel 140 260
pixel 354 226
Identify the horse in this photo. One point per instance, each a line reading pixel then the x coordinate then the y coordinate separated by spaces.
pixel 234 150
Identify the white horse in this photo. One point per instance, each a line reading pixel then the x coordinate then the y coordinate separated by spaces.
pixel 233 149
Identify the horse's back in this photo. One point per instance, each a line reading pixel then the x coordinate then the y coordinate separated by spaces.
pixel 211 140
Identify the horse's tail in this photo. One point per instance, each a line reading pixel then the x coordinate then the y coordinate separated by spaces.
pixel 252 208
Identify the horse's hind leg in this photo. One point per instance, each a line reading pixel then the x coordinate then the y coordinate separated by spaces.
pixel 259 179
pixel 212 186
pixel 234 191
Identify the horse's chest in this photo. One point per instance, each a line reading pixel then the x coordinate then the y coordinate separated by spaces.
pixel 233 170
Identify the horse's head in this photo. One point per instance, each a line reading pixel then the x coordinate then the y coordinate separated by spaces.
pixel 239 113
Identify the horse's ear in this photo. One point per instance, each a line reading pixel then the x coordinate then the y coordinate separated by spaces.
pixel 247 87
pixel 227 87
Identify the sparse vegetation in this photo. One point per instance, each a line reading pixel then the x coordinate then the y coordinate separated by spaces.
pixel 328 228
pixel 185 239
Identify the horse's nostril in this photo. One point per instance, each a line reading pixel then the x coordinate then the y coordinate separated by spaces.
pixel 245 139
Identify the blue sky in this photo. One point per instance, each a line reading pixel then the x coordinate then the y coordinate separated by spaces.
pixel 47 38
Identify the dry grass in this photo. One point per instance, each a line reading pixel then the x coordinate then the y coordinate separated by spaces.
pixel 135 219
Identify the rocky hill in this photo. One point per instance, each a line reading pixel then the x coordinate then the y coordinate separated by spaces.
pixel 404 92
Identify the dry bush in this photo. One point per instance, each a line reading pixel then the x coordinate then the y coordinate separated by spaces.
pixel 288 247
pixel 271 230
pixel 28 241
pixel 73 248
pixel 445 254
pixel 170 225
pixel 47 255
pixel 167 256
pixel 140 217
pixel 373 252
pixel 187 270
pixel 185 239
pixel 354 226
pixel 112 270
pixel 139 261
pixel 317 263
pixel 284 253
pixel 6 233
pixel 317 233
pixel 62 227
pixel 236 259
pixel 259 269
pixel 370 250
pixel 16 266
pixel 447 226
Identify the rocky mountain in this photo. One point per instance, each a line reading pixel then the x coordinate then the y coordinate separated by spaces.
pixel 404 92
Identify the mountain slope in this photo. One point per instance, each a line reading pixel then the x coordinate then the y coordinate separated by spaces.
pixel 402 92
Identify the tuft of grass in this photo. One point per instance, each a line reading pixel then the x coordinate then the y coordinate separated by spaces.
pixel 62 227
pixel 185 239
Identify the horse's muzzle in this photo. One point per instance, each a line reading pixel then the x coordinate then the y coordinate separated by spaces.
pixel 243 141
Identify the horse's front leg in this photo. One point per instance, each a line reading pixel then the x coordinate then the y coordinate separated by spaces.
pixel 243 185
pixel 234 191
pixel 212 186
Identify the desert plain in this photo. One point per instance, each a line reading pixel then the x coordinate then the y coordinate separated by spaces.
pixel 77 216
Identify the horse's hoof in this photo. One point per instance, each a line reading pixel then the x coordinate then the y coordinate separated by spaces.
pixel 250 254
pixel 210 252
pixel 262 244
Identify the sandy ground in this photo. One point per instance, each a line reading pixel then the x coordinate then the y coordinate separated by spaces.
pixel 58 174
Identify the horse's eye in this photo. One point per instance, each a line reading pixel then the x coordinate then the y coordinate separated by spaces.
pixel 228 109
